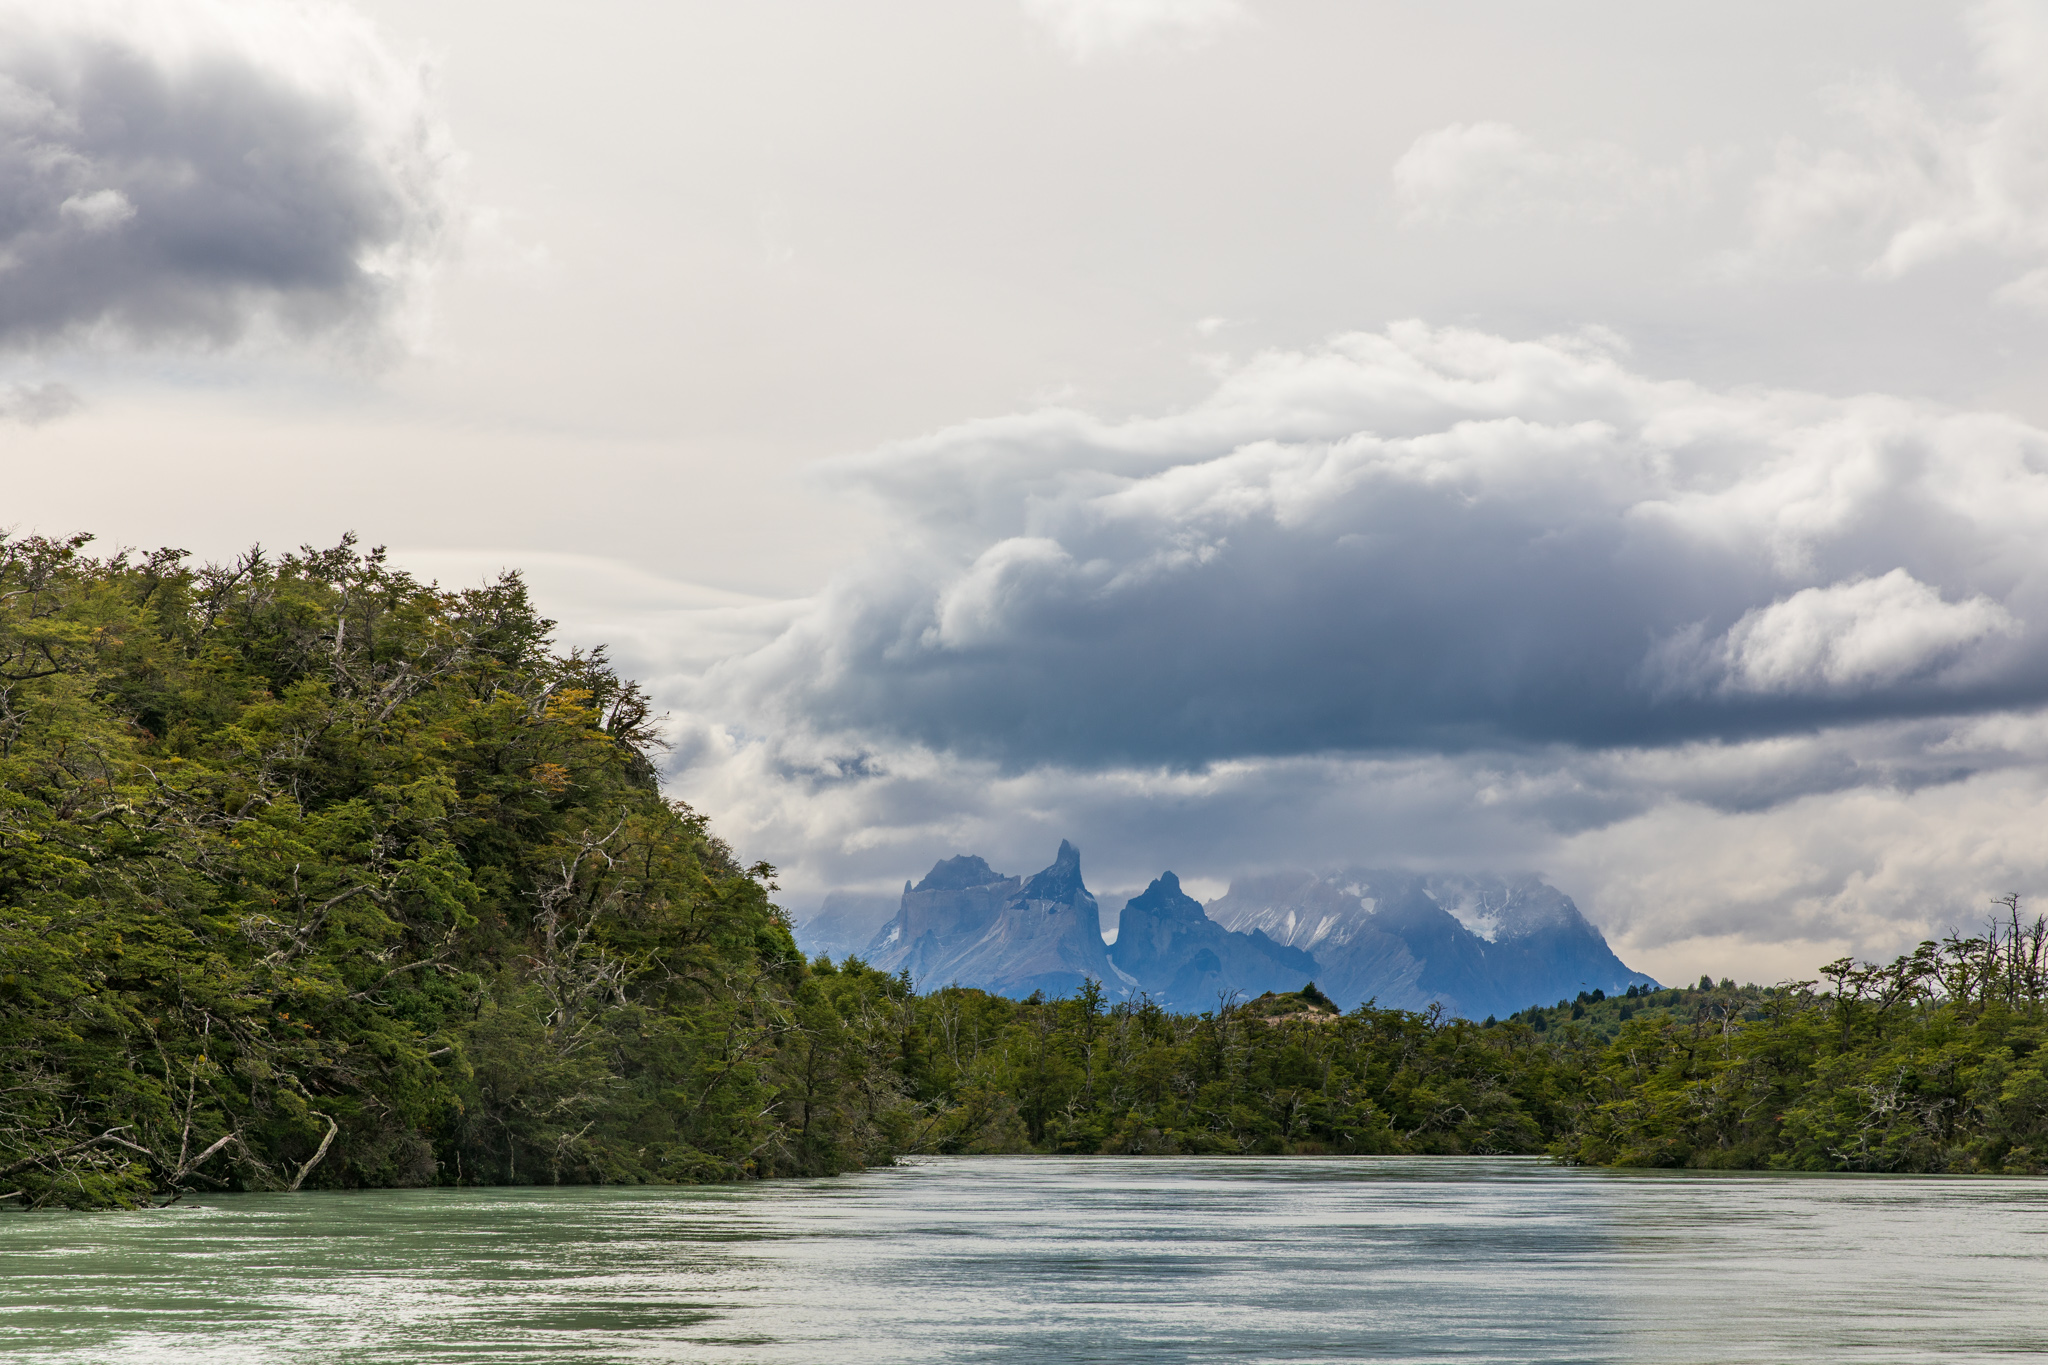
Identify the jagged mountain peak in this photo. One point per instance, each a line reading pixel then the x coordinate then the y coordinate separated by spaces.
pixel 1476 944
pixel 1503 909
pixel 1296 906
pixel 1060 882
pixel 1168 946
pixel 957 874
pixel 1164 899
pixel 968 924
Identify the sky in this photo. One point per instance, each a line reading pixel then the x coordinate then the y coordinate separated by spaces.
pixel 1603 441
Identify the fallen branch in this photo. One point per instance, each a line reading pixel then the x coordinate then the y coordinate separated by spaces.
pixel 76 1147
pixel 325 1143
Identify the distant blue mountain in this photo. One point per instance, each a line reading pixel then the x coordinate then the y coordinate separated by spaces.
pixel 968 924
pixel 1474 945
pixel 1183 959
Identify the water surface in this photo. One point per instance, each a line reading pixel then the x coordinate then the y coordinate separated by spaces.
pixel 1058 1260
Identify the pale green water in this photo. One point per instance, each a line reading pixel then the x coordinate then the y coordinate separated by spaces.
pixel 1057 1260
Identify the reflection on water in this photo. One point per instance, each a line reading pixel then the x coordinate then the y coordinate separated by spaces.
pixel 1058 1259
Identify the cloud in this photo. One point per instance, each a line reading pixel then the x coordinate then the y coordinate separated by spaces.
pixel 1910 183
pixel 1494 172
pixel 1916 185
pixel 186 170
pixel 1854 635
pixel 1088 29
pixel 1869 870
pixel 1439 599
pixel 1758 859
pixel 34 404
pixel 1425 539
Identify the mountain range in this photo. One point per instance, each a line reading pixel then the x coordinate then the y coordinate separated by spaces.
pixel 1475 945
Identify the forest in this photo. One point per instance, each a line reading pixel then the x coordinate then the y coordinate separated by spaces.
pixel 313 875
pixel 1933 1063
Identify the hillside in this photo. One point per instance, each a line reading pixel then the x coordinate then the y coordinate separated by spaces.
pixel 314 875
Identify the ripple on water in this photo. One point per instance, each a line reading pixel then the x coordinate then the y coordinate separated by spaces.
pixel 1057 1260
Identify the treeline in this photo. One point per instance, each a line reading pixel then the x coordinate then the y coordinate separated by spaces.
pixel 1933 1063
pixel 313 875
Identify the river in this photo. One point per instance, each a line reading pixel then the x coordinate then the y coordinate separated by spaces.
pixel 1046 1259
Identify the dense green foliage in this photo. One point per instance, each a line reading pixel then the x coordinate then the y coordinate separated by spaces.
pixel 310 873
pixel 314 875
pixel 1277 1074
pixel 1931 1064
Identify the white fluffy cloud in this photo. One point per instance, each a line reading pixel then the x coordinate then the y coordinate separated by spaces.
pixel 1908 181
pixel 1865 632
pixel 1920 184
pixel 186 169
pixel 1088 29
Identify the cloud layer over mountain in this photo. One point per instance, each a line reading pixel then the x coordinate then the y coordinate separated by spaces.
pixel 1737 666
pixel 1429 539
pixel 187 169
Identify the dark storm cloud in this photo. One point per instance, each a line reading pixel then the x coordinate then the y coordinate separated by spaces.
pixel 177 172
pixel 1428 540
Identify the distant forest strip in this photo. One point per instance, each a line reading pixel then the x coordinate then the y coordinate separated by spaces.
pixel 1933 1063
pixel 316 876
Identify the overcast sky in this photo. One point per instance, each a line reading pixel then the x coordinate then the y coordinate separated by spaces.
pixel 1602 440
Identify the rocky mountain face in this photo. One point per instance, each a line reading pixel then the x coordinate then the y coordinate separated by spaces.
pixel 1357 959
pixel 1475 945
pixel 1185 960
pixel 966 923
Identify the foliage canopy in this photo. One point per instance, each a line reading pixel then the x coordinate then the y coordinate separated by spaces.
pixel 311 873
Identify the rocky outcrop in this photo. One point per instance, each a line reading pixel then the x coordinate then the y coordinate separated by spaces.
pixel 1186 961
pixel 967 924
